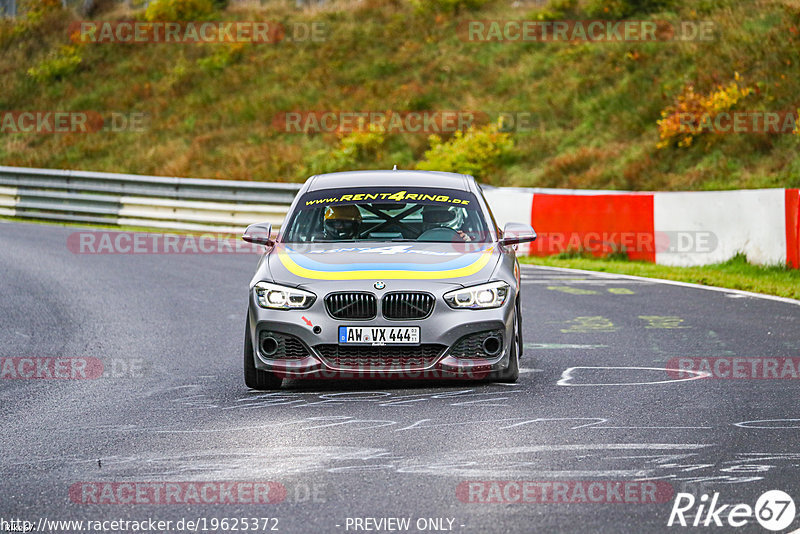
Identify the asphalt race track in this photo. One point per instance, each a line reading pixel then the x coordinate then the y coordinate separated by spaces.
pixel 595 402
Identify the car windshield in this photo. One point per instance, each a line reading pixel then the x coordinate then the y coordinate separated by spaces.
pixel 387 214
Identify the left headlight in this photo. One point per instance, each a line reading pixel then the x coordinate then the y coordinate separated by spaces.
pixel 491 295
pixel 277 297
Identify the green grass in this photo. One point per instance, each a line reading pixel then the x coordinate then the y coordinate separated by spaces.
pixel 736 273
pixel 594 105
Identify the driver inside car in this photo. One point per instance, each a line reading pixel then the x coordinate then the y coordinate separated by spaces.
pixel 442 217
pixel 342 222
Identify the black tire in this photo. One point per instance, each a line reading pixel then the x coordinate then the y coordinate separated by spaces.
pixel 510 374
pixel 256 378
pixel 521 344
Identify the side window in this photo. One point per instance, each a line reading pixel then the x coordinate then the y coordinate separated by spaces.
pixel 306 227
pixel 497 229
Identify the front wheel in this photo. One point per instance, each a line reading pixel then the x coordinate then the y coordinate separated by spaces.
pixel 256 378
pixel 511 373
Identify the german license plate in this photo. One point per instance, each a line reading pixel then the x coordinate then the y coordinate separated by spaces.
pixel 379 335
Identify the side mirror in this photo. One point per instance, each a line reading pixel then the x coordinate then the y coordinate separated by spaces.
pixel 259 234
pixel 515 233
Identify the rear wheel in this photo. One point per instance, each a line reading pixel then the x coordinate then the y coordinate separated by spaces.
pixel 511 373
pixel 256 378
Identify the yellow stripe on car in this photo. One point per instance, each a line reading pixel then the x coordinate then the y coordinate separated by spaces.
pixel 467 270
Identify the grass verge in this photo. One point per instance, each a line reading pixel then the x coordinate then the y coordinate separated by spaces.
pixel 735 273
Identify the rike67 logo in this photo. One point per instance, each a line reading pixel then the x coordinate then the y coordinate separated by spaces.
pixel 774 510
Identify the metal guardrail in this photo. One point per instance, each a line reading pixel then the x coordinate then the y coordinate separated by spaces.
pixel 224 206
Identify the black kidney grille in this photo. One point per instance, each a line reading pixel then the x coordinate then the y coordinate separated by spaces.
pixel 364 357
pixel 407 305
pixel 351 305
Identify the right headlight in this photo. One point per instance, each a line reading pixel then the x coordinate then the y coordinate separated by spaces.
pixel 283 298
pixel 491 295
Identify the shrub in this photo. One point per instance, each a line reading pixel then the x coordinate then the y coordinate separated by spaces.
pixel 58 64
pixel 556 10
pixel 178 77
pixel 174 10
pixel 478 151
pixel 37 8
pixel 444 6
pixel 37 14
pixel 355 148
pixel 797 125
pixel 222 56
pixel 685 120
pixel 619 9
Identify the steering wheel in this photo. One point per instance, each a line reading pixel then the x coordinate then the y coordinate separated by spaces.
pixel 440 234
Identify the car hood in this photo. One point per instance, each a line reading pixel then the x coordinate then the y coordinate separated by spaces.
pixel 340 263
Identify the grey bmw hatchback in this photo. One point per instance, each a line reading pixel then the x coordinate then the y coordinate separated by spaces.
pixel 385 274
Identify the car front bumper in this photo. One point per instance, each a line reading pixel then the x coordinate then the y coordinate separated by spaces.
pixel 451 342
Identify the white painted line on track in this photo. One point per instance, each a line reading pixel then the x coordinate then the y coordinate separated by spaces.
pixel 567 376
pixel 584 282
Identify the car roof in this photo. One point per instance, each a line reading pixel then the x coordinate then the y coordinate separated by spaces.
pixel 390 178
